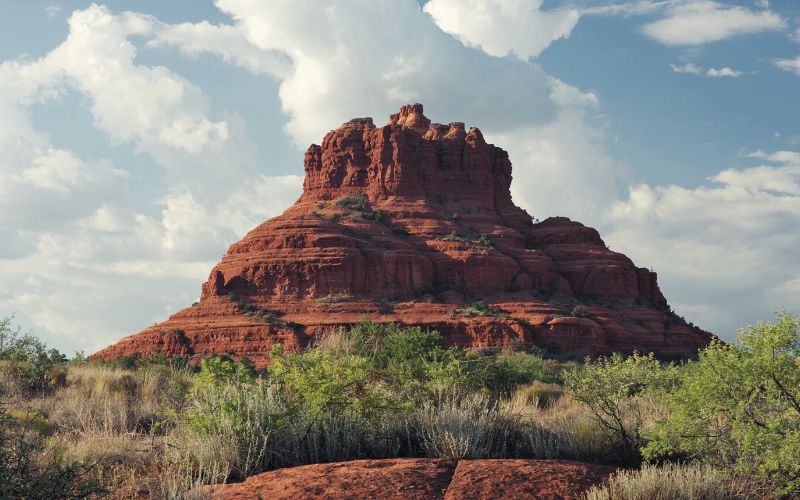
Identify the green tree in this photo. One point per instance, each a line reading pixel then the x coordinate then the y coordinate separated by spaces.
pixel 738 406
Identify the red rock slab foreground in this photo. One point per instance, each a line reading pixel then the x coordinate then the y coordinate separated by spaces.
pixel 423 478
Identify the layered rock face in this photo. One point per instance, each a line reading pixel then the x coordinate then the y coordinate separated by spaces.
pixel 413 222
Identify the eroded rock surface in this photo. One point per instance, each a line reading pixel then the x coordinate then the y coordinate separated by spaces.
pixel 423 478
pixel 412 222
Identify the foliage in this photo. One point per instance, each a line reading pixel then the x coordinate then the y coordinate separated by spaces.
pixel 266 315
pixel 398 230
pixel 238 418
pixel 354 201
pixel 579 311
pixel 457 425
pixel 484 240
pixel 453 236
pixel 478 308
pixel 27 471
pixel 738 406
pixel 506 371
pixel 618 390
pixel 223 370
pixel 27 365
pixel 378 391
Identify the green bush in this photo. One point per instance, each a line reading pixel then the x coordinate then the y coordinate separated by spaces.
pixel 27 366
pixel 354 201
pixel 479 308
pixel 579 311
pixel 618 391
pixel 223 370
pixel 232 424
pixel 506 371
pixel 738 406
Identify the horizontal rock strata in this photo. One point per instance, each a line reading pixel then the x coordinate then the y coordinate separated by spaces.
pixel 413 222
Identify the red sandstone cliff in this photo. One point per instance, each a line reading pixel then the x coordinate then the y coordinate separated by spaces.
pixel 412 222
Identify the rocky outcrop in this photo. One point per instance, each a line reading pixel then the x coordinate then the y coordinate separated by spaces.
pixel 413 222
pixel 422 478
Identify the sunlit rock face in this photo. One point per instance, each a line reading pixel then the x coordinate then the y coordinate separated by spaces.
pixel 413 222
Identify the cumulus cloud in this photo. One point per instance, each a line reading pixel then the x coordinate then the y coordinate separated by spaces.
pixel 227 41
pixel 358 57
pixel 499 27
pixel 723 72
pixel 792 65
pixel 694 69
pixel 728 248
pixel 78 229
pixel 704 21
pixel 348 59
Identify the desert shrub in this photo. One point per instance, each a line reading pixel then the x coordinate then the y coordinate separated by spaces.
pixel 376 367
pixel 620 391
pixel 336 436
pixel 104 401
pixel 508 370
pixel 373 215
pixel 579 311
pixel 399 230
pixel 738 406
pixel 454 236
pixel 472 425
pixel 565 429
pixel 27 366
pixel 231 425
pixel 354 201
pixel 478 308
pixel 668 482
pixel 401 356
pixel 224 370
pixel 29 470
pixel 321 382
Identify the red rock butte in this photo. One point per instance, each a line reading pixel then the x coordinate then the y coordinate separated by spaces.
pixel 413 223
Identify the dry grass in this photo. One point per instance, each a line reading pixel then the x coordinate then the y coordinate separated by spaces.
pixel 563 428
pixel 456 425
pixel 113 418
pixel 539 394
pixel 669 482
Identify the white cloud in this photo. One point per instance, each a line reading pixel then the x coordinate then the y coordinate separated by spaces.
pixel 500 27
pixel 729 248
pixel 150 106
pixel 78 228
pixel 358 57
pixel 79 231
pixel 694 69
pixel 792 65
pixel 224 40
pixel 704 21
pixel 723 72
pixel 354 58
pixel 687 68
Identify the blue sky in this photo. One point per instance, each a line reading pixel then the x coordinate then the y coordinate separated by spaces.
pixel 138 140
